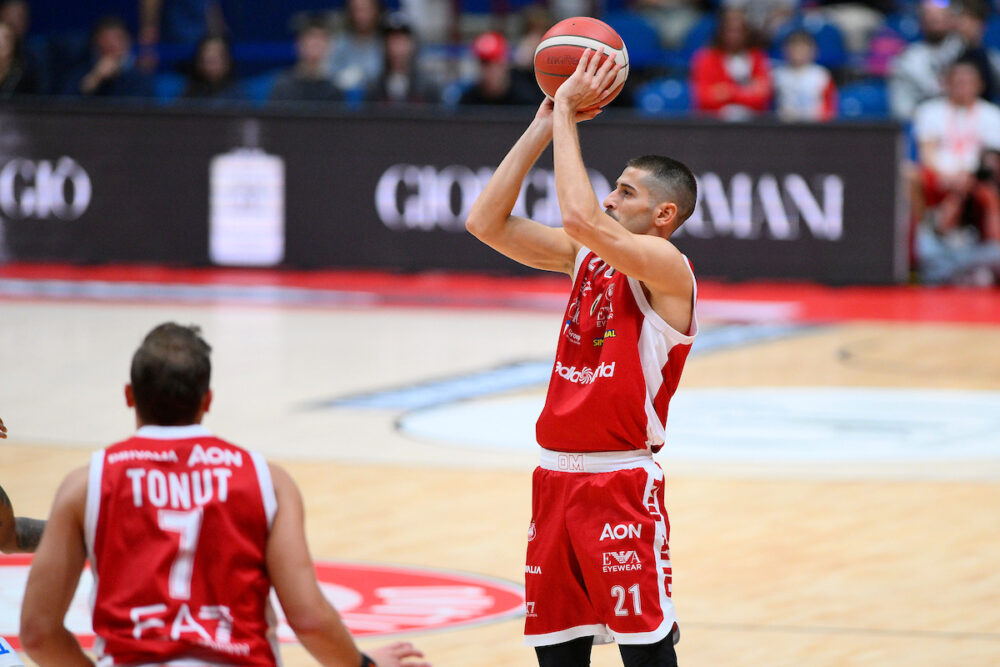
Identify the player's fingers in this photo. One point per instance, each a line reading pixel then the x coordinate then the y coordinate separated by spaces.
pixel 581 64
pixel 406 650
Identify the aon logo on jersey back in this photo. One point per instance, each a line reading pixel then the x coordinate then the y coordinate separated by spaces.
pixel 585 375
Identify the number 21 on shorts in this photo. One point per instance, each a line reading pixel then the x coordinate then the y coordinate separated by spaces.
pixel 618 592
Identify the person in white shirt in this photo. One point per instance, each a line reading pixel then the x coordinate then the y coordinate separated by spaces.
pixel 952 134
pixel 803 90
pixel 916 74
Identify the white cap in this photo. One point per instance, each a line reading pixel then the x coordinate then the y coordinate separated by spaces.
pixel 8 657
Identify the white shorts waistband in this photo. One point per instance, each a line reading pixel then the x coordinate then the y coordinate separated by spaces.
pixel 593 461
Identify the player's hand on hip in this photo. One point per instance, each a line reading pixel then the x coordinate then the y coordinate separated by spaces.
pixel 397 654
pixel 592 81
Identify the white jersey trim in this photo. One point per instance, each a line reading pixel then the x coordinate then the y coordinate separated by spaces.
pixel 598 631
pixel 654 318
pixel 92 507
pixel 266 486
pixel 155 432
pixel 593 462
pixel 578 262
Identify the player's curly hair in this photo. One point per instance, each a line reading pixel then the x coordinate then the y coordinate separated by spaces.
pixel 170 374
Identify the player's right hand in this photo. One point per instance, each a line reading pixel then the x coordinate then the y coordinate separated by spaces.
pixel 397 654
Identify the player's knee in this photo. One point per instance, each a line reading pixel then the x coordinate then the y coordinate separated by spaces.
pixel 574 653
pixel 660 654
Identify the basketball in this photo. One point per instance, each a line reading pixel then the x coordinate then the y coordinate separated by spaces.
pixel 561 47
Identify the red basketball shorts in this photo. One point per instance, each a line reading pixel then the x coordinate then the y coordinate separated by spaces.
pixel 598 558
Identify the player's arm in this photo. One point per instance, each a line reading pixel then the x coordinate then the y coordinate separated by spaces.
pixel 523 240
pixel 17 534
pixel 55 573
pixel 651 259
pixel 313 619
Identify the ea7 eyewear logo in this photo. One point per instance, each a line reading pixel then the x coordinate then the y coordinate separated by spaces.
pixel 621 561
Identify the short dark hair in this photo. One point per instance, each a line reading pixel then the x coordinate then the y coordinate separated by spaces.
pixel 170 375
pixel 679 183
pixel 800 36
pixel 109 22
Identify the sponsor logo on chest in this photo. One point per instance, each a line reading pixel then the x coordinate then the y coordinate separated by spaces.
pixel 585 375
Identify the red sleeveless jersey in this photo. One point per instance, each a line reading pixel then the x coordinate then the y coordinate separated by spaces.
pixel 617 366
pixel 176 526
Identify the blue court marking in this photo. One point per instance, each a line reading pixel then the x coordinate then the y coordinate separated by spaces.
pixel 525 374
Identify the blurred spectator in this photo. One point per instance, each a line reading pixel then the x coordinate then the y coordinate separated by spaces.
pixel 432 21
pixel 916 74
pixel 673 18
pixel 803 90
pixel 16 14
pixel 496 86
pixel 764 17
pixel 731 78
pixel 857 20
pixel 309 80
pixel 953 134
pixel 356 60
pixel 179 21
pixel 536 21
pixel 970 24
pixel 111 72
pixel 212 76
pixel 14 79
pixel 402 81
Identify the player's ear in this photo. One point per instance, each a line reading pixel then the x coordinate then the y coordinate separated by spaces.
pixel 666 215
pixel 206 401
pixel 129 396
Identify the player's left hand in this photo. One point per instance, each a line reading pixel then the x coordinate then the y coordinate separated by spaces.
pixel 397 654
pixel 590 83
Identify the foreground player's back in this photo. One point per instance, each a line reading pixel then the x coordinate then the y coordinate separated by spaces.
pixel 193 512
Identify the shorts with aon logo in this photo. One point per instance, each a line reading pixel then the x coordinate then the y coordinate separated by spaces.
pixel 598 560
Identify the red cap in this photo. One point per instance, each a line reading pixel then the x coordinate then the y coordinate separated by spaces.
pixel 490 47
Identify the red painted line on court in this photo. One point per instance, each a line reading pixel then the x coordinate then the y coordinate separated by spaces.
pixel 789 301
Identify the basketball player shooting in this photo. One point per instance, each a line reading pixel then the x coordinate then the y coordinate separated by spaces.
pixel 598 559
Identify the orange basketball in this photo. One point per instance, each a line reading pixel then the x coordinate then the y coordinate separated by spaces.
pixel 561 47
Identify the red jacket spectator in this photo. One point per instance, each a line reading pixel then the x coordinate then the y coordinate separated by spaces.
pixel 731 78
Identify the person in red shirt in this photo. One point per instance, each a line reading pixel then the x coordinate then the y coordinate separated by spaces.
pixel 731 78
pixel 598 561
pixel 186 534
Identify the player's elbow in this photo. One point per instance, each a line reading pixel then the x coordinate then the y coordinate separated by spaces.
pixel 36 633
pixel 311 621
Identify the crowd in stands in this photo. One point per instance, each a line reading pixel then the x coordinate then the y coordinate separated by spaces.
pixel 810 60
pixel 932 65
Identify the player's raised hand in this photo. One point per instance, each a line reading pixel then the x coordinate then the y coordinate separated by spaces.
pixel 590 83
pixel 3 430
pixel 397 654
pixel 544 112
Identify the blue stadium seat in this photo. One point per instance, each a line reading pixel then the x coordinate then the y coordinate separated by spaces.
pixel 664 97
pixel 992 36
pixel 830 49
pixel 904 24
pixel 864 100
pixel 168 86
pixel 258 88
pixel 640 37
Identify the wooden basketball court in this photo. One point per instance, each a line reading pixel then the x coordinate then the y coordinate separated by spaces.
pixel 842 557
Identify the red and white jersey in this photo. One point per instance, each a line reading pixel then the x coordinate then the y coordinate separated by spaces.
pixel 617 366
pixel 176 527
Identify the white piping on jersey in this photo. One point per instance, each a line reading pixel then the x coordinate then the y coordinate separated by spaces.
pixel 266 486
pixel 155 432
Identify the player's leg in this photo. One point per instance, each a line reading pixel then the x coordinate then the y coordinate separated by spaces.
pixel 558 609
pixel 620 535
pixel 574 653
pixel 660 654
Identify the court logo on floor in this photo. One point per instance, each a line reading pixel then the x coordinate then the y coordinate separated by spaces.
pixel 373 600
